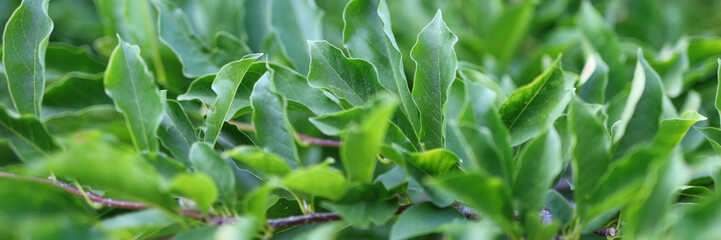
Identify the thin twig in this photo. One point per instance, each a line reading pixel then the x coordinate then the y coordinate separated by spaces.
pixel 273 223
pixel 317 141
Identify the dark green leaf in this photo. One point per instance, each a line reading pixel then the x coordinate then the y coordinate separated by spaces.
pixel 28 137
pixel 274 132
pixel 538 164
pixel 176 132
pixel 423 219
pixel 293 23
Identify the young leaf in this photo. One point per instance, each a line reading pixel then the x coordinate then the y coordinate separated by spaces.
pixel 225 86
pixel 258 159
pixel 422 219
pixel 176 132
pixel 130 85
pixel 294 22
pixel 28 137
pixel 534 107
pixel 198 187
pixel 272 128
pixel 25 40
pixel 206 160
pixel 318 180
pixel 353 80
pixel 436 65
pixel 367 34
pixel 362 143
pixel 537 166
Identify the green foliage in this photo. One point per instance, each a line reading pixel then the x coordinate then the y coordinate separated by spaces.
pixel 265 119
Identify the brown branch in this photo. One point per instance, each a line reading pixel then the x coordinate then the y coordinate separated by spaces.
pixel 273 223
pixel 317 141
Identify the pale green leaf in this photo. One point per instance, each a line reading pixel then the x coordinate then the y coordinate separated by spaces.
pixel 205 160
pixel 294 22
pixel 130 85
pixel 198 187
pixel 258 159
pixel 318 180
pixel 25 40
pixel 436 65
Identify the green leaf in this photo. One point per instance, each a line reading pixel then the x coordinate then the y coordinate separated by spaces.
pixel 337 123
pixel 490 196
pixel 130 85
pixel 74 92
pixel 713 136
pixel 353 80
pixel 198 187
pixel 640 118
pixel 601 36
pixel 433 162
pixel 594 80
pixel 103 165
pixel 25 40
pixel 225 86
pixel 717 102
pixel 293 23
pixel 367 34
pixel 509 30
pixel 534 107
pixel 436 65
pixel 318 180
pixel 296 88
pixel 364 205
pixel 258 159
pixel 362 143
pixel 136 223
pixel 28 137
pixel 176 132
pixel 256 204
pixel 197 56
pixel 270 120
pixel 243 228
pixel 422 219
pixel 591 152
pixel 538 164
pixel 206 160
pixel 559 207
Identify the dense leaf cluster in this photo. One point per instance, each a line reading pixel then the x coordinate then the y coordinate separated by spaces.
pixel 360 119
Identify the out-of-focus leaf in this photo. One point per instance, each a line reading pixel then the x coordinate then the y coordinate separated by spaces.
pixel 639 121
pixel 270 119
pixel 28 137
pixel 362 143
pixel 73 93
pixel 364 205
pixel 198 187
pixel 136 223
pixel 293 23
pixel 534 107
pixel 258 159
pixel 423 219
pixel 436 65
pixel 594 80
pixel 353 80
pixel 130 85
pixel 176 132
pixel 225 86
pixel 488 195
pixel 591 152
pixel 206 160
pixel 25 40
pixel 509 30
pixel 559 207
pixel 243 228
pixel 436 162
pixel 538 164
pixel 367 34
pixel 606 42
pixel 698 222
pixel 318 180
pixel 92 161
